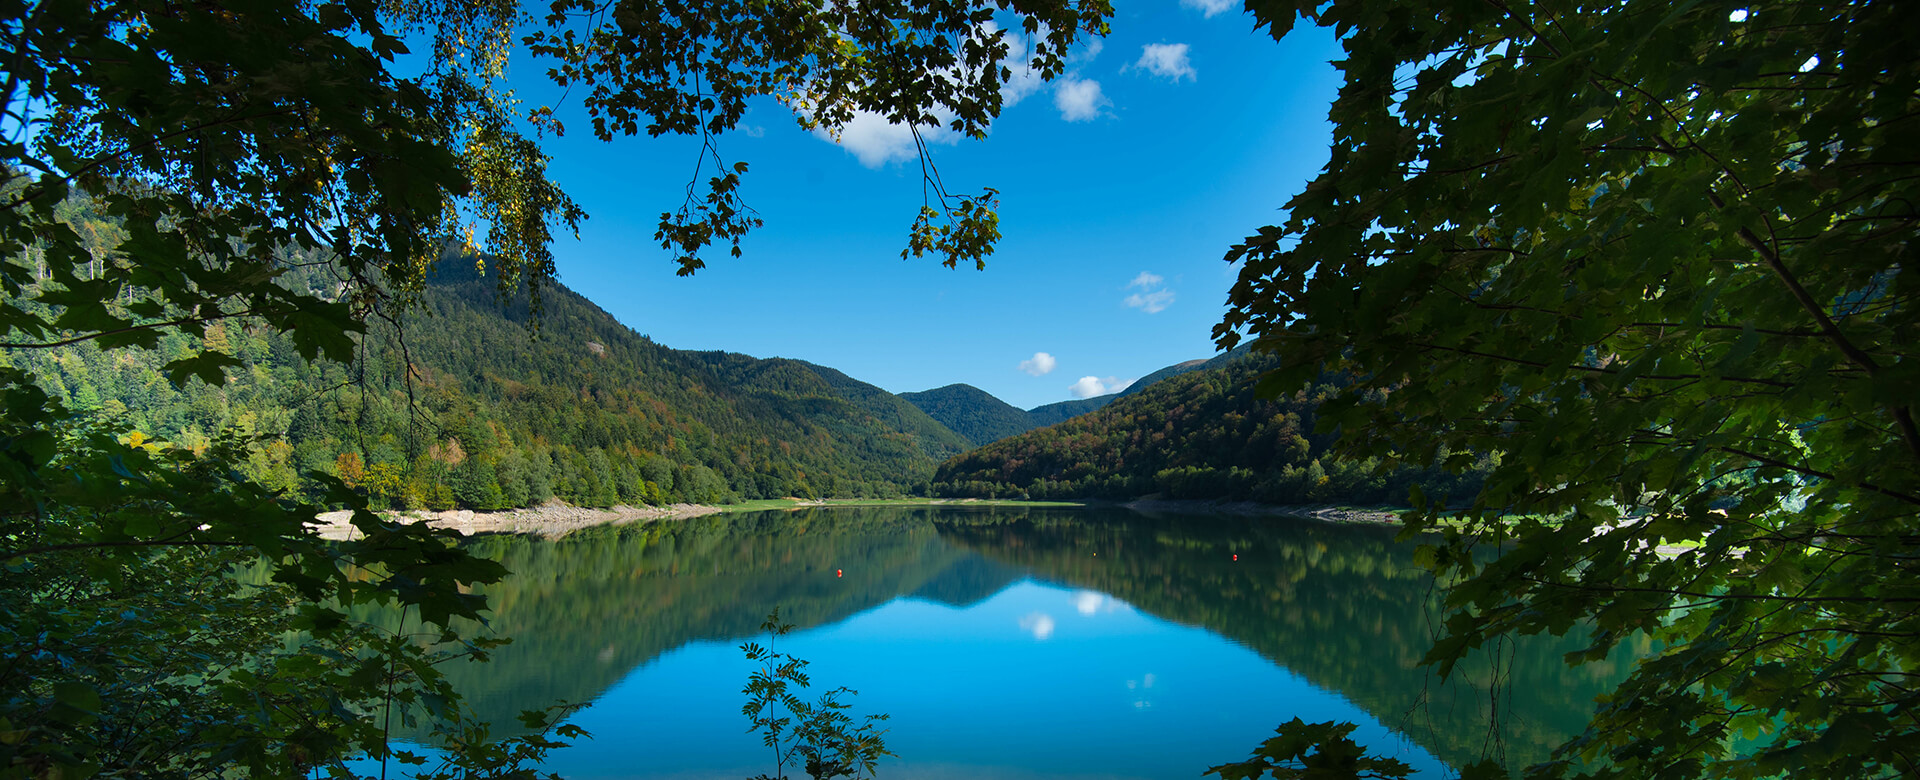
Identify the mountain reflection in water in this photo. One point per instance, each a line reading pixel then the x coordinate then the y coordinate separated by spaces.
pixel 1341 608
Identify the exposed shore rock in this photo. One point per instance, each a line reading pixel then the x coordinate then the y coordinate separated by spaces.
pixel 551 520
pixel 1325 512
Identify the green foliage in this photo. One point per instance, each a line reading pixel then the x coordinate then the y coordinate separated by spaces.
pixel 590 413
pixel 972 413
pixel 819 735
pixel 692 68
pixel 984 419
pixel 197 193
pixel 1658 258
pixel 1048 414
pixel 1313 751
pixel 1201 434
pixel 228 143
pixel 136 646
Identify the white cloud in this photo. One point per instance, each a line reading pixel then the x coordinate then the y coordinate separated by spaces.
pixel 1040 624
pixel 1022 80
pixel 754 131
pixel 1152 298
pixel 1092 50
pixel 1039 365
pixel 1208 7
pixel 1078 99
pixel 1167 60
pixel 1090 386
pixel 877 141
pixel 1153 302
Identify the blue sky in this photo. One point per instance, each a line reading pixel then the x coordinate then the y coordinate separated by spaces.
pixel 1122 185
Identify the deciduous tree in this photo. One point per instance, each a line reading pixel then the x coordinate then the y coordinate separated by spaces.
pixel 228 142
pixel 1658 257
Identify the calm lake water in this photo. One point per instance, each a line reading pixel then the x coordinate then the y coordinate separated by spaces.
pixel 1006 642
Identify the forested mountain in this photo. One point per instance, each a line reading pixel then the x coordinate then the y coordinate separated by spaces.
pixel 984 419
pixel 972 412
pixel 1170 371
pixel 1059 411
pixel 1201 434
pixel 590 412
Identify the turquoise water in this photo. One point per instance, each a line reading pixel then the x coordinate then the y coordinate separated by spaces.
pixel 1005 643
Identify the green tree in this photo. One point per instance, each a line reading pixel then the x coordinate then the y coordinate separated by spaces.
pixel 220 150
pixel 1658 259
pixel 818 736
pixel 1313 751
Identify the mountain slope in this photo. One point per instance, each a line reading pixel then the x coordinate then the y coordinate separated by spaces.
pixel 590 412
pixel 1187 367
pixel 1061 411
pixel 984 419
pixel 972 412
pixel 1202 434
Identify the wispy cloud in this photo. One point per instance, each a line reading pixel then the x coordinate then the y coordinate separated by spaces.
pixel 1153 302
pixel 1040 364
pixel 1087 53
pixel 1209 8
pixel 1167 60
pixel 1039 624
pixel 1151 298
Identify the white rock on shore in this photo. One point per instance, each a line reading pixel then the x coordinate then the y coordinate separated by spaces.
pixel 550 520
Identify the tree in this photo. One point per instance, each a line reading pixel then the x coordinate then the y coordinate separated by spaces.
pixel 1658 259
pixel 820 736
pixel 227 144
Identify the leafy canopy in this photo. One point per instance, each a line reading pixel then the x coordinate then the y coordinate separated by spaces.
pixel 235 139
pixel 223 144
pixel 1654 256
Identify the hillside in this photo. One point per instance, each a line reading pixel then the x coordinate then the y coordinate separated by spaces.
pixel 1201 434
pixel 972 412
pixel 1061 411
pixel 590 412
pixel 984 419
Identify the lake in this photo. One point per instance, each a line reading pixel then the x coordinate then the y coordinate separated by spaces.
pixel 1007 642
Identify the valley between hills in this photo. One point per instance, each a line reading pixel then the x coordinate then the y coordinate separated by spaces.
pixel 539 419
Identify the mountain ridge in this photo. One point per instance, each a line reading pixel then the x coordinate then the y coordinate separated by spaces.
pixel 468 406
pixel 1204 433
pixel 984 419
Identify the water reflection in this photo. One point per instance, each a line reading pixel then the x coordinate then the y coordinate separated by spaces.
pixel 1014 629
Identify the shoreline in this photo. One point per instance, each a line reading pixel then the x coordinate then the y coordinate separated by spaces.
pixel 551 520
pixel 555 520
pixel 1329 513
